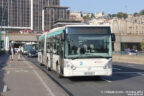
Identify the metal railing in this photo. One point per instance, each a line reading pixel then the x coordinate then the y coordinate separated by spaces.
pixel 139 53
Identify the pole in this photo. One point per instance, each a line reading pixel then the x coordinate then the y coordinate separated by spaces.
pixel 119 37
pixel 3 13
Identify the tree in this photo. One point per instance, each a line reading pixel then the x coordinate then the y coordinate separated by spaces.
pixel 125 46
pixel 136 14
pixel 122 15
pixel 134 47
pixel 92 15
pixel 86 17
pixel 142 46
pixel 142 12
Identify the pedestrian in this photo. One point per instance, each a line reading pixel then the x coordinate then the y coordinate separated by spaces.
pixel 11 53
pixel 19 53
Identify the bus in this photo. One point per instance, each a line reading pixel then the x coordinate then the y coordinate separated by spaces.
pixel 77 50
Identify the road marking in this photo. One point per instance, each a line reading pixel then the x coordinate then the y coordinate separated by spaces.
pixel 42 81
pixel 128 72
pixel 8 72
pixel 117 69
pixel 5 88
pixel 44 84
pixel 107 80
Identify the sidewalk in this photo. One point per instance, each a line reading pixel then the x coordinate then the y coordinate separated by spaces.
pixel 22 78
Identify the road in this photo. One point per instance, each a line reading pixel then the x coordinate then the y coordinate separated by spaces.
pixel 127 80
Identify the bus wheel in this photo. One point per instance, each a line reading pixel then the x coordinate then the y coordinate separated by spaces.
pixel 58 71
pixel 48 68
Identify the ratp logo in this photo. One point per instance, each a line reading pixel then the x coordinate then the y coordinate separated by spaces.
pixel 81 63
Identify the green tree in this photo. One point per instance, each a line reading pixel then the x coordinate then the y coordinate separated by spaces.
pixel 92 15
pixel 122 15
pixel 134 47
pixel 141 12
pixel 86 17
pixel 142 46
pixel 136 14
pixel 125 46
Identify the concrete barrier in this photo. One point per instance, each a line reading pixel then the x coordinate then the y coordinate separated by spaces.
pixel 128 59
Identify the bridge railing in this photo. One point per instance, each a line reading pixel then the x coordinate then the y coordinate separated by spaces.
pixel 139 53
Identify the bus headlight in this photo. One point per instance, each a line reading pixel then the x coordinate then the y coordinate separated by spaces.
pixel 108 64
pixel 73 67
pixel 69 65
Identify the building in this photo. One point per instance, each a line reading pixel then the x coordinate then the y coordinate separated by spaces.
pixel 26 14
pixel 51 14
pixel 130 32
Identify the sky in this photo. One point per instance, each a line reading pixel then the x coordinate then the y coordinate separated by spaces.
pixel 106 6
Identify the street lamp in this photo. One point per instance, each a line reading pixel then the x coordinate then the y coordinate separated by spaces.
pixel 119 35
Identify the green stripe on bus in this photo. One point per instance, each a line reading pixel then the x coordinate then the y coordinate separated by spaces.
pixel 54 33
pixel 41 37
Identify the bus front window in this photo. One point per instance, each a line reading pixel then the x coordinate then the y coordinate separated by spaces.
pixel 84 45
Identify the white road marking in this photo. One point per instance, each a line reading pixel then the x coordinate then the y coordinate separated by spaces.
pixel 117 68
pixel 42 81
pixel 5 88
pixel 128 72
pixel 8 72
pixel 107 80
pixel 44 84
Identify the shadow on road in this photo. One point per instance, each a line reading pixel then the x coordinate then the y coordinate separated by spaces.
pixel 3 60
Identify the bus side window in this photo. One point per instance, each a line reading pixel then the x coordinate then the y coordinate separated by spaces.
pixel 48 47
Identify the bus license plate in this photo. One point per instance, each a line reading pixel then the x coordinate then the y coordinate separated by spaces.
pixel 89 73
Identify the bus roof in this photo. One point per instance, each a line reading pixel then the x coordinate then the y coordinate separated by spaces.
pixel 59 30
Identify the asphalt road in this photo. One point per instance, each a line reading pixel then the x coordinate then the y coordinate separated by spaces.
pixel 127 80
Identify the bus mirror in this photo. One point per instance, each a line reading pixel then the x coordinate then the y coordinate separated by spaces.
pixel 113 36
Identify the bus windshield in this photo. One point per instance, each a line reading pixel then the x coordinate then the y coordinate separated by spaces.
pixel 88 45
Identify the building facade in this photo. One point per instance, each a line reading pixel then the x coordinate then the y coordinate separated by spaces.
pixel 53 14
pixel 25 14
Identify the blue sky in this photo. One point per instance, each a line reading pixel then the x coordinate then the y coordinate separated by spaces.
pixel 107 6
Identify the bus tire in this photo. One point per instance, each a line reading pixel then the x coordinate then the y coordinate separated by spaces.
pixel 48 68
pixel 58 71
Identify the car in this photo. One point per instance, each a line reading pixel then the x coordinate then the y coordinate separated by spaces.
pixel 130 52
pixel 32 53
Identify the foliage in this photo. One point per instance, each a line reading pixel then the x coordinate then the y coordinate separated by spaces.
pixel 136 14
pixel 122 15
pixel 125 46
pixel 86 17
pixel 142 46
pixel 141 12
pixel 134 47
pixel 119 15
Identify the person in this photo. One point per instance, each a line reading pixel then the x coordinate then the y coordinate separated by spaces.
pixel 19 53
pixel 82 50
pixel 11 52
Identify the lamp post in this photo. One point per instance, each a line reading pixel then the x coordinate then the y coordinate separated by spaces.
pixel 119 35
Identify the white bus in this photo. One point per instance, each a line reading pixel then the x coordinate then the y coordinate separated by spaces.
pixel 77 50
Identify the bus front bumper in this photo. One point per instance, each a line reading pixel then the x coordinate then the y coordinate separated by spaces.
pixel 72 73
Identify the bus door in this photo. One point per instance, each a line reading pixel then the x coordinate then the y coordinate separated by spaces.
pixel 41 51
pixel 56 54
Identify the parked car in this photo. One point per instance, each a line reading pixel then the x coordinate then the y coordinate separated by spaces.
pixel 130 52
pixel 32 53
